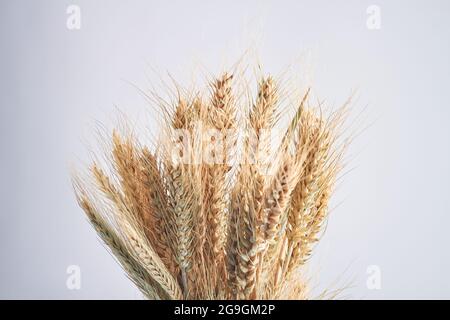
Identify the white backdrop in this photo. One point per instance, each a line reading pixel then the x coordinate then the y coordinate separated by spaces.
pixel 393 206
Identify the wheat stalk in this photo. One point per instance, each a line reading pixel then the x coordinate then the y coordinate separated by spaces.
pixel 237 227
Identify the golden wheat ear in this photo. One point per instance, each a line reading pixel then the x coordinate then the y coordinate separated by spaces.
pixel 134 236
pixel 101 222
pixel 222 118
pixel 246 237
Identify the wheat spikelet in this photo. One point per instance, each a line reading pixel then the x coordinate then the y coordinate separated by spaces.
pixel 206 216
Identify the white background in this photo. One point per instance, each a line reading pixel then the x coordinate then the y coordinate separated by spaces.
pixel 56 83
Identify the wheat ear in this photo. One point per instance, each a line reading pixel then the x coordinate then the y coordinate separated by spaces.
pixel 221 116
pixel 135 239
pixel 249 199
pixel 159 227
pixel 309 189
pixel 150 288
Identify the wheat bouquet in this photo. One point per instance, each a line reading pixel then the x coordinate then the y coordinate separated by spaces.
pixel 215 208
